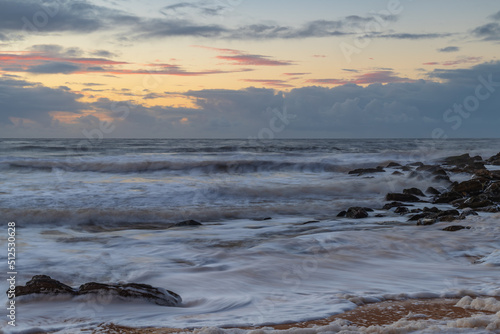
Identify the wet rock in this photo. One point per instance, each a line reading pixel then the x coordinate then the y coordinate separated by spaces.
pixel 433 209
pixel 454 228
pixel 189 222
pixel 391 205
pixel 494 160
pixel 475 202
pixel 448 218
pixel 457 160
pixel 43 284
pixel 406 168
pixel 441 178
pixel 439 171
pixel 413 191
pixel 393 164
pixel 447 197
pixel 147 292
pixel 416 164
pixel 468 212
pixel 401 210
pixel 396 172
pixel 401 197
pixel 469 187
pixel 426 221
pixel 342 213
pixel 491 209
pixel 262 219
pixel 356 212
pixel 361 171
pixel 451 212
pixel 433 191
pixel 420 216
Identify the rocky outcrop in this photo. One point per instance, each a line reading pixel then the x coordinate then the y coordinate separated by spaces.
pixel 45 285
pixel 413 191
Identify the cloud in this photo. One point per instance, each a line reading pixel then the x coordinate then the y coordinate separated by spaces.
pixel 269 82
pixel 411 36
pixel 488 32
pixel 449 49
pixel 197 8
pixel 458 61
pixel 237 57
pixel 26 100
pixel 103 54
pixel 53 59
pixel 365 78
pixel 32 16
pixel 400 108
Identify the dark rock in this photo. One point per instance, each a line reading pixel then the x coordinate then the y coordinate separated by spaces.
pixel 393 164
pixel 451 212
pixel 494 160
pixel 413 174
pixel 396 172
pixel 439 171
pixel 454 228
pixel 413 191
pixel 406 168
pixel 189 222
pixel 458 159
pixel 420 216
pixel 417 163
pixel 147 292
pixel 262 219
pixel 491 209
pixel 448 197
pixel 401 210
pixel 342 213
pixel 356 212
pixel 310 222
pixel 426 221
pixel 361 171
pixel 475 202
pixel 45 285
pixel 433 191
pixel 379 215
pixel 468 212
pixel 447 218
pixel 441 178
pixel 433 209
pixel 469 187
pixel 416 210
pixel 391 205
pixel 401 197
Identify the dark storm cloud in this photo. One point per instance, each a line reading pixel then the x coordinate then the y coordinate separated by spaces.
pixel 449 49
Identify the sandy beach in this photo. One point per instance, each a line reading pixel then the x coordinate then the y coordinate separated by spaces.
pixel 381 317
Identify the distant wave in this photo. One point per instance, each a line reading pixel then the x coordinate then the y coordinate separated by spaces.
pixel 203 166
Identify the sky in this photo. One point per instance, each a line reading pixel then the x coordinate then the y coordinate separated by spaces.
pixel 249 69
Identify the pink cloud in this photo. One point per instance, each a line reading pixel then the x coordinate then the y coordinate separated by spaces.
pixel 237 57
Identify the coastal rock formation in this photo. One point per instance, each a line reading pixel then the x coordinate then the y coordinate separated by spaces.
pixel 361 171
pixel 43 284
pixel 355 212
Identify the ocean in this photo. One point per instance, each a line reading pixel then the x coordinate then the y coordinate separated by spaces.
pixel 270 249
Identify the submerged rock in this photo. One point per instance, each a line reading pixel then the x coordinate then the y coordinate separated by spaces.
pixel 355 212
pixel 361 171
pixel 147 292
pixel 189 222
pixel 432 191
pixel 43 284
pixel 454 228
pixel 413 191
pixel 401 197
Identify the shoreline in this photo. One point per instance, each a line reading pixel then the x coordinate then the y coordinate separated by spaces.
pixel 378 314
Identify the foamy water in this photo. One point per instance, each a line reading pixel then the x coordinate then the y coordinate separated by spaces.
pixel 102 215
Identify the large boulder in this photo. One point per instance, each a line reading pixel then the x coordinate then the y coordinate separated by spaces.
pixel 413 191
pixel 448 197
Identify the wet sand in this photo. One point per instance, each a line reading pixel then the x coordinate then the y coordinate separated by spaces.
pixel 383 313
